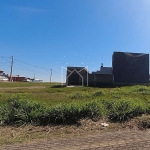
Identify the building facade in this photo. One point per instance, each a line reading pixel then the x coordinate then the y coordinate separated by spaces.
pixel 81 77
pixel 130 68
pixel 127 68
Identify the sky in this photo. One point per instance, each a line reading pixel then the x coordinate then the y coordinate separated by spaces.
pixel 52 34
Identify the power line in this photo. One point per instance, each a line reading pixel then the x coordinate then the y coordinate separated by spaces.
pixel 36 66
pixel 16 61
pixel 31 64
pixel 4 62
pixel 31 71
pixel 4 57
pixel 26 69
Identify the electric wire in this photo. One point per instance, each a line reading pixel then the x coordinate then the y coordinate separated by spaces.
pixel 23 67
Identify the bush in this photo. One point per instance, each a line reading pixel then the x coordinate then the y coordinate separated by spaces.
pixel 17 111
pixel 60 114
pixel 123 110
pixel 92 110
pixel 73 112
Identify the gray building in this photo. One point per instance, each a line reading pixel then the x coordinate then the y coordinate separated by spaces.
pixel 130 68
pixel 81 76
pixel 127 68
pixel 77 76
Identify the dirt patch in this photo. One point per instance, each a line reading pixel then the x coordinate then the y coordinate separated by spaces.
pixel 31 134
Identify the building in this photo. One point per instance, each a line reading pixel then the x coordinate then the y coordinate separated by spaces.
pixel 17 78
pixel 20 79
pixel 80 76
pixel 130 68
pixel 103 77
pixel 77 76
pixel 3 76
pixel 127 68
pixel 104 70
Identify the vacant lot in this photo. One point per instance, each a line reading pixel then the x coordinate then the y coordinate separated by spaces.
pixel 33 111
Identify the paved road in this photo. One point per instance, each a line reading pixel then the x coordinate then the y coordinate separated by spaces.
pixel 124 140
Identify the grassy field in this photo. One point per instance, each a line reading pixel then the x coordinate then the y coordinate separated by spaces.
pixel 116 103
pixel 24 84
pixel 45 106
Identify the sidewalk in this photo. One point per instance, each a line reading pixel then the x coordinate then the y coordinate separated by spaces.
pixel 122 140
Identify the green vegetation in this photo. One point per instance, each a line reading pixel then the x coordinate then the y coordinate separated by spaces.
pixel 57 104
pixel 23 84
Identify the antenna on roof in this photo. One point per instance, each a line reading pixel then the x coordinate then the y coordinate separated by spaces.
pixel 101 64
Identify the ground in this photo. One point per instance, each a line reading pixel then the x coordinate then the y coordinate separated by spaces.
pixel 86 133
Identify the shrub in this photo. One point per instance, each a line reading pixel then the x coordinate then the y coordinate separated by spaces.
pixel 92 110
pixel 124 109
pixel 17 111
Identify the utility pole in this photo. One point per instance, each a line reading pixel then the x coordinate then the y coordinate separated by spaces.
pixel 11 67
pixel 51 76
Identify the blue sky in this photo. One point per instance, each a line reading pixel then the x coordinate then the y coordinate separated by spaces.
pixel 49 34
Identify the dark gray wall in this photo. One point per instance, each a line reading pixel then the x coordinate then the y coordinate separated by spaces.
pixel 92 79
pixel 130 68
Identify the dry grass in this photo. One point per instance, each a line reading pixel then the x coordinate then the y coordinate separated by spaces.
pixel 32 134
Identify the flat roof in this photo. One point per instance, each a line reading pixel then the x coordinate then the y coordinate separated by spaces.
pixel 133 53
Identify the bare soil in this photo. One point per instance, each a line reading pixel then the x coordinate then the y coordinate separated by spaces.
pixel 31 134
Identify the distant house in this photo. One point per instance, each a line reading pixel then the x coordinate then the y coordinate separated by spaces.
pixel 2 76
pixel 18 78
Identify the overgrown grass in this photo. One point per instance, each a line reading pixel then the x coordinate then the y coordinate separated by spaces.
pixel 18 112
pixel 56 104
pixel 24 84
